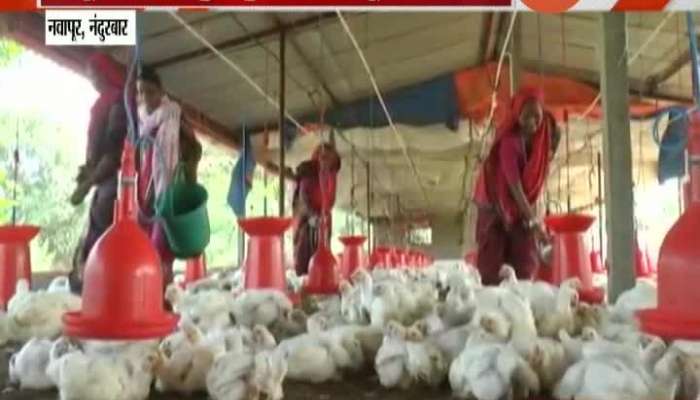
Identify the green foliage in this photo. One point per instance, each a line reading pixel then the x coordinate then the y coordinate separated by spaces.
pixel 9 52
pixel 45 180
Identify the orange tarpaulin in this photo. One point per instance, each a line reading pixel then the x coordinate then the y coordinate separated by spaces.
pixel 474 91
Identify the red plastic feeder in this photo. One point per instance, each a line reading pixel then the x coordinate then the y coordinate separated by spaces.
pixel 597 262
pixel 570 257
pixel 378 258
pixel 123 281
pixel 677 315
pixel 324 275
pixel 195 269
pixel 264 261
pixel 641 264
pixel 353 256
pixel 15 258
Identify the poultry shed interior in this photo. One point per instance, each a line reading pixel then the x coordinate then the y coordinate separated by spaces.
pixel 412 103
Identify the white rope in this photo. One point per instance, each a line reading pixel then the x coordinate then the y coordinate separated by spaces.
pixel 236 68
pixel 630 61
pixel 399 138
pixel 494 102
pixel 501 59
pixel 258 89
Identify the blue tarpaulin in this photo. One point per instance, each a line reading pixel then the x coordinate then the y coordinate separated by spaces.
pixel 672 144
pixel 428 103
pixel 241 178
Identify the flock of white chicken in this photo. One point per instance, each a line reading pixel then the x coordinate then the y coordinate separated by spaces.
pixel 431 327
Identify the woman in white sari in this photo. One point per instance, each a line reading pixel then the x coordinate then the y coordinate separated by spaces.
pixel 172 143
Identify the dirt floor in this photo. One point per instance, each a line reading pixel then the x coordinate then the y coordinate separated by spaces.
pixel 357 388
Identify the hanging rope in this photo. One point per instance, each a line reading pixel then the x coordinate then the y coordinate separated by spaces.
pixel 399 138
pixel 236 68
pixel 484 136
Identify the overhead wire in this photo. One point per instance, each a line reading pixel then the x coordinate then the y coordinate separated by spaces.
pixel 630 61
pixel 378 93
pixel 233 65
pixel 488 126
pixel 236 68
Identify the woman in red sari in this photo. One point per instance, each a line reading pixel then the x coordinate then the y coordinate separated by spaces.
pixel 105 140
pixel 511 181
pixel 316 181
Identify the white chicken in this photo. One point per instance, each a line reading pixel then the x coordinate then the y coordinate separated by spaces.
pixel 391 363
pixel 541 295
pixel 622 376
pixel 246 372
pixel 490 370
pixel 102 377
pixel 352 307
pixel 363 281
pixel 385 304
pixel 320 356
pixel 184 369
pixel 460 304
pixel 261 307
pixel 59 284
pixel 425 362
pixel 28 366
pixel 209 309
pixel 38 314
pixel 562 316
pixel 452 341
pixel 550 360
pixel 642 296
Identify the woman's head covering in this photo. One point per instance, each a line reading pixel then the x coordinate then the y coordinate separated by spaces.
pixel 492 180
pixel 109 71
pixel 113 78
pixel 517 103
pixel 326 148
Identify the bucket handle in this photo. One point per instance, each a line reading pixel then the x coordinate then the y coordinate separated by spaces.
pixel 178 176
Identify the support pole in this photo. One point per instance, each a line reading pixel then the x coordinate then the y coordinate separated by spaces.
pixel 515 52
pixel 617 154
pixel 282 90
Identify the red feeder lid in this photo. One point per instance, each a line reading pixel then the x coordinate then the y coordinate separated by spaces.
pixel 569 223
pixel 357 240
pixel 265 226
pixel 18 233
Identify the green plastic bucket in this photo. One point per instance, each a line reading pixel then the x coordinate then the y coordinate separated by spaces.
pixel 182 208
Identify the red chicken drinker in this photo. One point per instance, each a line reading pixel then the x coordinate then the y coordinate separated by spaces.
pixel 677 315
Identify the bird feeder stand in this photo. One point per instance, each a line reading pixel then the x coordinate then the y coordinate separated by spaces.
pixel 571 258
pixel 264 262
pixel 15 258
pixel 123 284
pixel 15 254
pixel 677 315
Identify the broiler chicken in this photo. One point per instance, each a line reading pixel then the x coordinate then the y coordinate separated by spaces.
pixel 102 377
pixel 38 314
pixel 490 370
pixel 184 369
pixel 28 366
pixel 617 375
pixel 392 358
pixel 261 307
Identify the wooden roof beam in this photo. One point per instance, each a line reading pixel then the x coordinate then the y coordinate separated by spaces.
pixel 240 41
